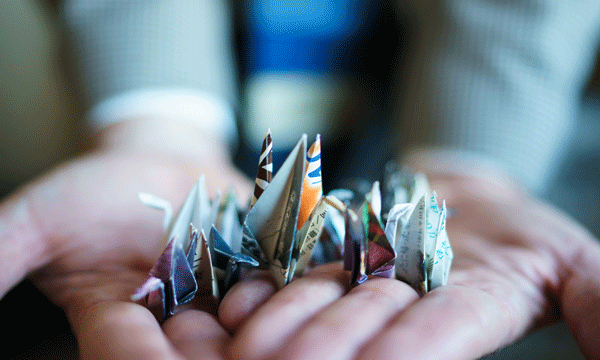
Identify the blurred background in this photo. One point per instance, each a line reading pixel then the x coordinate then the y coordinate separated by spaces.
pixel 316 67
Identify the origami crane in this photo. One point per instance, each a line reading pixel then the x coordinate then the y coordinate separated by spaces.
pixel 290 226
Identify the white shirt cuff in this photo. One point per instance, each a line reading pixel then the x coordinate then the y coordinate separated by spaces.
pixel 210 113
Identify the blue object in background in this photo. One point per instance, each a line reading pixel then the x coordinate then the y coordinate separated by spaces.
pixel 304 35
pixel 336 53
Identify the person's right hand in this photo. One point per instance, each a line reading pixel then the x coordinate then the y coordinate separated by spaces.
pixel 83 237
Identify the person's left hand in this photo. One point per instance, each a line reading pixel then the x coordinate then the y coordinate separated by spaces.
pixel 518 264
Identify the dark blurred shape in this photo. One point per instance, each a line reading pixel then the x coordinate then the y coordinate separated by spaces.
pixel 352 40
pixel 35 324
pixel 39 127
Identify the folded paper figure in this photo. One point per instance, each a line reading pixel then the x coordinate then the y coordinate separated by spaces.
pixel 290 227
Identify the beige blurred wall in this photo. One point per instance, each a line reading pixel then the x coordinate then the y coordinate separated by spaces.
pixel 39 113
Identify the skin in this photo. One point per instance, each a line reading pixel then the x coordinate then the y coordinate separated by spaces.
pixel 87 242
pixel 82 236
pixel 519 263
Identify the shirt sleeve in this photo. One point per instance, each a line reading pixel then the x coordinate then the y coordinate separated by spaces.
pixel 167 58
pixel 499 79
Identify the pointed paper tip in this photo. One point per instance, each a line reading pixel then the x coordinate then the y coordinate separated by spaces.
pixel 375 189
pixel 145 197
pixel 315 147
pixel 317 141
pixel 154 201
pixel 373 198
pixel 201 182
pixel 152 283
pixel 434 199
pixel 202 235
pixel 302 144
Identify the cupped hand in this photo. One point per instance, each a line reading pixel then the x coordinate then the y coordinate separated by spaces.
pixel 87 242
pixel 518 264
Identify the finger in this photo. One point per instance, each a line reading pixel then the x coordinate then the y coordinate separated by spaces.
pixel 278 319
pixel 244 297
pixel 21 240
pixel 121 330
pixel 197 335
pixel 341 329
pixel 451 322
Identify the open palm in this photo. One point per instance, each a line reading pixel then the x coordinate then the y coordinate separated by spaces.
pixel 83 237
pixel 518 264
pixel 87 242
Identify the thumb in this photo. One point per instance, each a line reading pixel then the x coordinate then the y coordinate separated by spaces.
pixel 25 241
pixel 23 245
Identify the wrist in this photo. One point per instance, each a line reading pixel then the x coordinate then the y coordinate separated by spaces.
pixel 451 163
pixel 164 137
pixel 457 175
pixel 166 120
